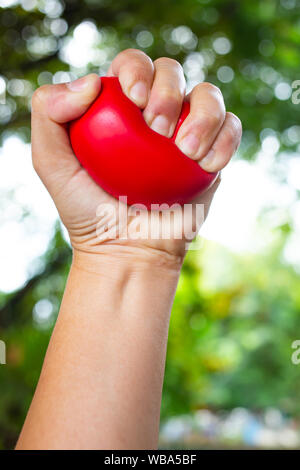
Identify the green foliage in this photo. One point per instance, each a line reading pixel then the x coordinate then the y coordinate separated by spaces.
pixel 264 38
pixel 231 333
pixel 27 338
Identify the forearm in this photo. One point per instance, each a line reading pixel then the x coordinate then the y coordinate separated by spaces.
pixel 101 382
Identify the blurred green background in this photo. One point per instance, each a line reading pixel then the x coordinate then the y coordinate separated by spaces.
pixel 230 380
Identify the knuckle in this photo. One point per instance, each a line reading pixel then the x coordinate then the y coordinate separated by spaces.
pixel 134 65
pixel 133 55
pixel 231 137
pixel 236 122
pixel 132 51
pixel 170 95
pixel 39 98
pixel 213 111
pixel 233 132
pixel 167 101
pixel 209 88
pixel 167 62
pixel 211 91
pixel 212 120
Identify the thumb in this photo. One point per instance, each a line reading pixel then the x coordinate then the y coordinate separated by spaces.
pixel 52 106
pixel 68 101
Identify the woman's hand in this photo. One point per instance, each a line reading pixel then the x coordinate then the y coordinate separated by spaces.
pixel 209 135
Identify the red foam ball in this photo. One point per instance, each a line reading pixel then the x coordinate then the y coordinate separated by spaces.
pixel 126 158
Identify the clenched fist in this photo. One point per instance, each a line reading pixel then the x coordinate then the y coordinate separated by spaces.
pixel 209 135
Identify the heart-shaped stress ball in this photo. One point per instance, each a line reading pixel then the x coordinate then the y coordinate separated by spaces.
pixel 126 158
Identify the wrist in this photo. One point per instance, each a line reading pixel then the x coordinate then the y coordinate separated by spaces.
pixel 124 260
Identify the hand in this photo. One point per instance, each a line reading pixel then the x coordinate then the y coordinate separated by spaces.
pixel 208 135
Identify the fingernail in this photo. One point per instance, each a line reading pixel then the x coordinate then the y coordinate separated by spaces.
pixel 77 85
pixel 206 162
pixel 139 93
pixel 161 125
pixel 190 145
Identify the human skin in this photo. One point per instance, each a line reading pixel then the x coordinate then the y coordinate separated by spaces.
pixel 101 382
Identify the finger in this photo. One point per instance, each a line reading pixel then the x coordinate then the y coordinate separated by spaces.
pixel 225 145
pixel 135 71
pixel 166 97
pixel 202 125
pixel 52 107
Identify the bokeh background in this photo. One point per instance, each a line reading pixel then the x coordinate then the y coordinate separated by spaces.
pixel 230 380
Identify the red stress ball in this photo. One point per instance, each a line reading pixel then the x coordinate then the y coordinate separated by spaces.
pixel 126 158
